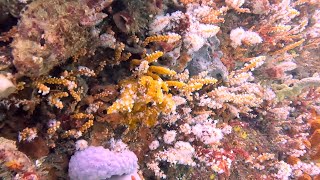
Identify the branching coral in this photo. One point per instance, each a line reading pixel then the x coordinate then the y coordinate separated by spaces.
pixel 194 33
pixel 68 80
pixel 241 96
pixel 136 94
pixel 148 95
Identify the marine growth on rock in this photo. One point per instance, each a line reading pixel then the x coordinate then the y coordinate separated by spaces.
pixel 159 89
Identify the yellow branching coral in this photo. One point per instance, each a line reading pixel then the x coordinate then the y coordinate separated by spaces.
pixel 28 134
pixel 289 47
pixel 143 98
pixel 148 115
pixel 78 133
pixel 170 38
pixel 145 89
pixel 176 84
pixel 53 129
pixel 146 95
pixel 86 71
pixel 72 133
pixel 102 65
pixel 75 95
pixel 82 116
pixel 86 126
pixel 161 70
pixel 54 80
pixel 197 84
pixel 154 76
pixel 40 83
pixel 118 51
pixel 126 101
pixel 192 85
pixel 54 99
pixel 154 56
pixel 279 28
pixel 68 80
pixel 43 89
pixel 136 62
pixel 144 67
pixel 125 57
pixel 204 81
pixel 254 63
pixel 153 89
pixel 239 78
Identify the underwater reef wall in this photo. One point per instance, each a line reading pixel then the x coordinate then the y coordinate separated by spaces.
pixel 159 89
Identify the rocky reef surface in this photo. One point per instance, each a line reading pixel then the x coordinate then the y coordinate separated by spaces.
pixel 159 89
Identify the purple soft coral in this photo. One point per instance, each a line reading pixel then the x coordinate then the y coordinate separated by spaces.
pixel 101 163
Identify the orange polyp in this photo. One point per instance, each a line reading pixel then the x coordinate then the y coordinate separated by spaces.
pixel 13 165
pixel 315 124
pixel 317 177
pixel 316 155
pixel 307 143
pixel 292 160
pixel 305 177
pixel 315 138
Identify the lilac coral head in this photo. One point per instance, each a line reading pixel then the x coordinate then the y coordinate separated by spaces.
pixel 95 163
